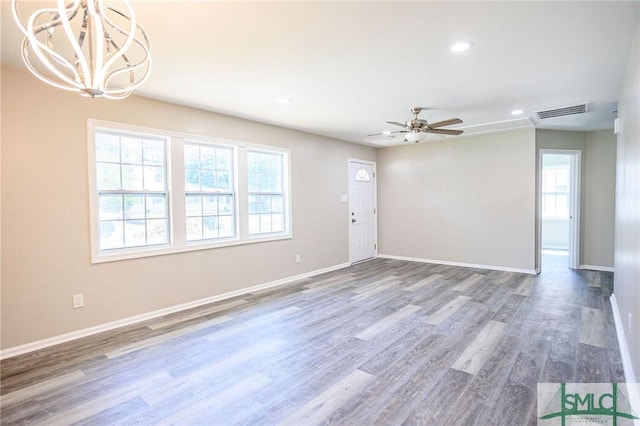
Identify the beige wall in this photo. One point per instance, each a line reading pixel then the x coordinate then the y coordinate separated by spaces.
pixel 597 189
pixel 45 216
pixel 627 228
pixel 474 203
pixel 599 199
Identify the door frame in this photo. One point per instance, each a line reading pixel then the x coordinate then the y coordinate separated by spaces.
pixel 575 176
pixel 375 202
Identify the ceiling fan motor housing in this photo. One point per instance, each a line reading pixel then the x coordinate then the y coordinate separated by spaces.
pixel 417 124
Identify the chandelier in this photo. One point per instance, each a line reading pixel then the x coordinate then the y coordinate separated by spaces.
pixel 94 47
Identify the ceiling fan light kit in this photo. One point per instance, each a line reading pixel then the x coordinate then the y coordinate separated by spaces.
pixel 415 137
pixel 93 47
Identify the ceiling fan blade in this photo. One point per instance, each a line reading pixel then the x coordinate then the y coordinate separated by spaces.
pixel 445 123
pixel 389 133
pixel 444 131
pixel 399 124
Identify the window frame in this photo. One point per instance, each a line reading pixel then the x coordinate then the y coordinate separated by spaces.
pixel 554 194
pixel 284 192
pixel 233 192
pixel 176 193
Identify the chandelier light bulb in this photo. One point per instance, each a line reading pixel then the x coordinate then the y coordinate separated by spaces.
pixel 93 47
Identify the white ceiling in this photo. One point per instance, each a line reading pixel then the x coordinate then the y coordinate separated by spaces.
pixel 350 66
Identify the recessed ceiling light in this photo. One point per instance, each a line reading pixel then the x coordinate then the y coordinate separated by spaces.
pixel 386 132
pixel 460 46
pixel 517 112
pixel 283 101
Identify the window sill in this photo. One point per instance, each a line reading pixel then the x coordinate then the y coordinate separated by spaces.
pixel 191 246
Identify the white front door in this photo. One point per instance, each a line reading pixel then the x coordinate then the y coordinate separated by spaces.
pixel 362 210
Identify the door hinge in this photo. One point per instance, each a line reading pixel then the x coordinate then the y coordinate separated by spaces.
pixel 374 175
pixel 374 210
pixel 375 246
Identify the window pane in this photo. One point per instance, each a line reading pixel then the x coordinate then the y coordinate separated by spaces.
pixel 110 207
pixel 210 205
pixel 131 150
pixel 254 204
pixel 263 184
pixel 194 205
pixel 107 148
pixel 562 180
pixel 562 205
pixel 191 156
pixel 225 205
pixel 210 227
pixel 132 177
pixel 223 159
pixel 277 222
pixel 108 176
pixel 156 206
pixel 207 158
pixel 277 203
pixel 134 233
pixel 111 235
pixel 153 178
pixel 134 207
pixel 194 228
pixel 223 181
pixel 153 152
pixel 252 182
pixel 262 164
pixel 265 223
pixel 207 180
pixel 157 231
pixel 192 180
pixel 225 226
pixel 254 223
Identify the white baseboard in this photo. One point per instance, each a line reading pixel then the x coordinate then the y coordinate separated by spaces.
pixel 67 337
pixel 596 268
pixel 629 375
pixel 464 265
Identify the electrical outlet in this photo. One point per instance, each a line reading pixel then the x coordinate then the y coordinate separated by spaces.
pixel 298 258
pixel 78 300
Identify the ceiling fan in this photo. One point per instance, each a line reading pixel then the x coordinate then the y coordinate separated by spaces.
pixel 416 129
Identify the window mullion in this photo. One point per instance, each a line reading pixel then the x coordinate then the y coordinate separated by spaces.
pixel 178 208
pixel 242 185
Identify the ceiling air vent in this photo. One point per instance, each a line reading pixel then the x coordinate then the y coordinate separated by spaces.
pixel 560 112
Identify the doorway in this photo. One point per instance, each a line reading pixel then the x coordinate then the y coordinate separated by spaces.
pixel 559 201
pixel 362 211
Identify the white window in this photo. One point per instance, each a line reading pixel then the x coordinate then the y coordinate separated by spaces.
pixel 266 192
pixel 132 191
pixel 209 192
pixel 156 192
pixel 555 193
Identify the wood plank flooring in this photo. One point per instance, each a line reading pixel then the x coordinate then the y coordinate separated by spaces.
pixel 384 342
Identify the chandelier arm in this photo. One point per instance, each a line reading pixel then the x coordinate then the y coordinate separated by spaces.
pixel 146 45
pixel 130 67
pixel 85 75
pixel 97 81
pixel 48 46
pixel 131 34
pixel 40 49
pixel 37 46
pixel 72 84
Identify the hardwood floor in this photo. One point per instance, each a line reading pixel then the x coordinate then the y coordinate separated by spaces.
pixel 384 342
